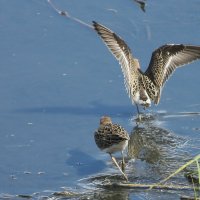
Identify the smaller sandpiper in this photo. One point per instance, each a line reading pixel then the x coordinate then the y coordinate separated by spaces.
pixel 112 138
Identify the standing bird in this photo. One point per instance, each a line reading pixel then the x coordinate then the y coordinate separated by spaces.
pixel 144 87
pixel 112 138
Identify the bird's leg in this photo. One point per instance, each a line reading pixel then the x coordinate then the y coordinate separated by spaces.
pixel 117 165
pixel 123 162
pixel 139 114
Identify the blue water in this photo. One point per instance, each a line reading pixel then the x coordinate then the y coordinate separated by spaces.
pixel 57 79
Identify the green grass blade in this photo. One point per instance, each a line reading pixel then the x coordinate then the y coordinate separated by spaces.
pixel 195 159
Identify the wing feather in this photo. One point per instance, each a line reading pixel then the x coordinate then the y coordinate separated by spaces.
pixel 121 52
pixel 166 59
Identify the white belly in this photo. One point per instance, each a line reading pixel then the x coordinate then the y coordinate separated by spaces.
pixel 117 147
pixel 137 100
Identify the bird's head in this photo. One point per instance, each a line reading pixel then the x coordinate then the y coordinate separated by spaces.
pixel 105 120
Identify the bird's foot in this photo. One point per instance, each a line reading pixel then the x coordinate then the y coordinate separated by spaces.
pixel 120 169
pixel 138 119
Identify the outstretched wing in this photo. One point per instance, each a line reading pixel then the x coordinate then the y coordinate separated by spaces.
pixel 166 59
pixel 121 51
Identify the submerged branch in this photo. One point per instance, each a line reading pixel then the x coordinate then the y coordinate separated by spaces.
pixel 66 14
pixel 142 4
pixel 148 186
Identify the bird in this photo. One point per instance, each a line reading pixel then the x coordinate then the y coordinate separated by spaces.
pixel 146 87
pixel 112 138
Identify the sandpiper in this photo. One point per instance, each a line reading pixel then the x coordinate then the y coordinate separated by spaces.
pixel 144 87
pixel 112 138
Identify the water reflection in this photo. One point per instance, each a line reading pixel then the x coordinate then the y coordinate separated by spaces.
pixel 151 143
pixel 143 147
pixel 157 151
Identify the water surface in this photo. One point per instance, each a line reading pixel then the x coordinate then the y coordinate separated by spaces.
pixel 57 78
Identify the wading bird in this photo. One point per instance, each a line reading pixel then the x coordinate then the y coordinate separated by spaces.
pixel 144 87
pixel 112 138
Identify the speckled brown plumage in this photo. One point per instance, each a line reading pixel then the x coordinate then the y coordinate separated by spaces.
pixel 145 87
pixel 110 135
pixel 112 138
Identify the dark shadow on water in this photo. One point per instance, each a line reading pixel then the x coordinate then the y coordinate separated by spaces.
pixel 95 108
pixel 83 163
